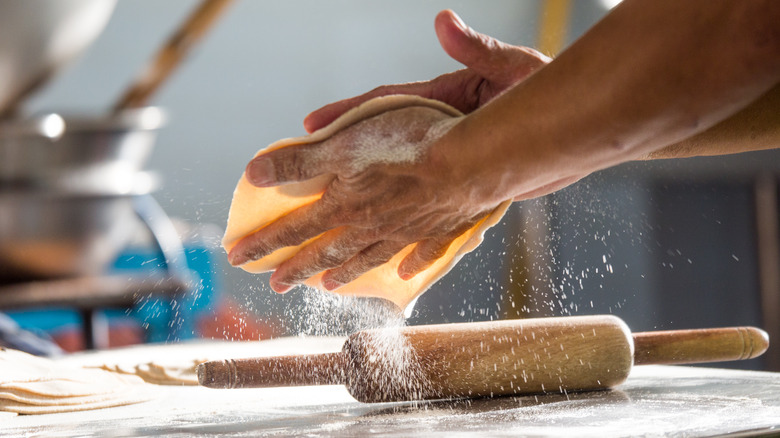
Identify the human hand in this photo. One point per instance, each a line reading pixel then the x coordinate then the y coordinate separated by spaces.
pixel 389 191
pixel 491 67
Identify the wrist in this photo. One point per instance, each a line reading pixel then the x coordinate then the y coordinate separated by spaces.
pixel 474 159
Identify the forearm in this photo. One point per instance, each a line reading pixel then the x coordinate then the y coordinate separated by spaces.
pixel 649 75
pixel 756 127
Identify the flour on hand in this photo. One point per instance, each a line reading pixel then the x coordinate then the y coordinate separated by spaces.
pixel 255 207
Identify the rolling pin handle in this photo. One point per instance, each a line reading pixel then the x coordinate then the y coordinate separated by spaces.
pixel 218 374
pixel 697 346
pixel 264 372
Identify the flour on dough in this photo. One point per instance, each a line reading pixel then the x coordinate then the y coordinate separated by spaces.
pixel 253 208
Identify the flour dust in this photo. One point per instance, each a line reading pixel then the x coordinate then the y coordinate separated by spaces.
pixel 384 345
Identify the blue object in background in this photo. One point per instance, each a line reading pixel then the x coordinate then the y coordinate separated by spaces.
pixel 161 318
pixel 175 318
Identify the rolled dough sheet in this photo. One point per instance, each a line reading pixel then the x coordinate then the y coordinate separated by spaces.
pixel 254 208
pixel 35 385
pixel 176 364
pixel 117 377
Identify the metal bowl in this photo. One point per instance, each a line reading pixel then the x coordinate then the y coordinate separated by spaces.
pixel 67 186
pixel 45 150
pixel 74 230
pixel 38 37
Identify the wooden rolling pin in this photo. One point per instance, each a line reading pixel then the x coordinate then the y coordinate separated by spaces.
pixel 488 358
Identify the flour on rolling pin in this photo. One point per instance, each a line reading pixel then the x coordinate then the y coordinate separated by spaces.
pixel 253 207
pixel 542 355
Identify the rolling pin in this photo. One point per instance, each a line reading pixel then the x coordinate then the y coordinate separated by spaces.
pixel 527 356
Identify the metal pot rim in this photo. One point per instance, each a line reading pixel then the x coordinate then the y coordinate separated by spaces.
pixel 88 186
pixel 54 124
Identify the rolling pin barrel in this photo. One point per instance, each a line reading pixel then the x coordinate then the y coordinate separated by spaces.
pixel 489 358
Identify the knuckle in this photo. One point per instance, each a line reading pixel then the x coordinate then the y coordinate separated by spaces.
pixel 348 272
pixel 291 163
pixel 343 275
pixel 297 270
pixel 344 210
pixel 377 257
pixel 328 257
pixel 293 167
pixel 288 236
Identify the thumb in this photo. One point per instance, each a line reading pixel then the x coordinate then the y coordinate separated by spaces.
pixel 487 56
pixel 482 53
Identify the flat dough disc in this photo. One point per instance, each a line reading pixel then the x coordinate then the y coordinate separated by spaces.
pixel 254 207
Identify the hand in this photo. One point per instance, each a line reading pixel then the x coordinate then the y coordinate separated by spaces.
pixel 389 191
pixel 367 216
pixel 492 67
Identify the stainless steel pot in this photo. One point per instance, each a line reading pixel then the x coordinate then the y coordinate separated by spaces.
pixel 38 37
pixel 67 186
pixel 70 231
pixel 45 150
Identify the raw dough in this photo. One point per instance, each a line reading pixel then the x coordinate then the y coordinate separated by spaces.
pixel 253 208
pixel 176 364
pixel 179 374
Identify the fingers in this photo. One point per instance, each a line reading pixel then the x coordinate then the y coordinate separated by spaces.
pixel 422 256
pixel 331 250
pixel 429 250
pixel 289 164
pixel 293 229
pixel 371 257
pixel 322 117
pixel 489 57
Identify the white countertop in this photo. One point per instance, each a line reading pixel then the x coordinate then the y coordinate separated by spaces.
pixel 654 401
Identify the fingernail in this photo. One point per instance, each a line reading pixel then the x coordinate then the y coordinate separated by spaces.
pixel 261 172
pixel 331 284
pixel 236 259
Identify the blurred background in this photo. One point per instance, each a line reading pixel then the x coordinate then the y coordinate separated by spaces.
pixel 666 245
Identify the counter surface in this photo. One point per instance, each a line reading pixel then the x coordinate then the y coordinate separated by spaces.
pixel 654 401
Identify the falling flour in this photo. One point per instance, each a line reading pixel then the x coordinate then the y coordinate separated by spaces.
pixel 395 361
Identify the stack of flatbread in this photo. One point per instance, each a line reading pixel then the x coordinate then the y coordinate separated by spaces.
pixel 36 385
pixel 108 378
